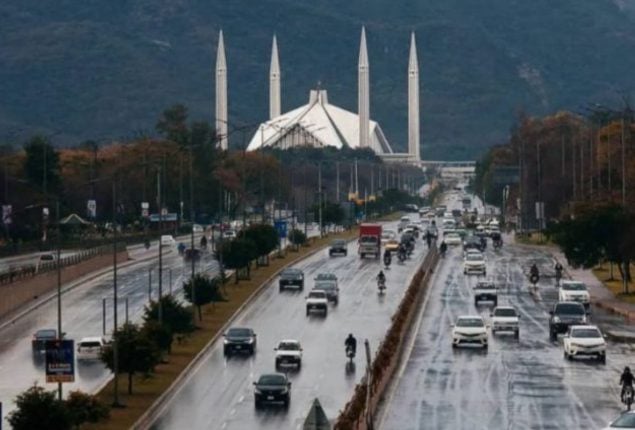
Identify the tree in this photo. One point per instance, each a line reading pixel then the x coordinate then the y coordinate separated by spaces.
pixel 237 254
pixel 38 409
pixel 207 291
pixel 41 165
pixel 173 124
pixel 297 237
pixel 137 352
pixel 175 315
pixel 265 237
pixel 161 334
pixel 85 408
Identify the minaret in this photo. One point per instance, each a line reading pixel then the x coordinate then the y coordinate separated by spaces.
pixel 363 102
pixel 221 93
pixel 274 82
pixel 413 102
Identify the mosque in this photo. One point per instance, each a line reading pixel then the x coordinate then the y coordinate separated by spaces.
pixel 320 123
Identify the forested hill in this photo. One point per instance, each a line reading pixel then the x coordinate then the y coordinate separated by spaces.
pixel 103 69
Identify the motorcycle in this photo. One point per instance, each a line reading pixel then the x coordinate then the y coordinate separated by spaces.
pixel 387 261
pixel 498 244
pixel 401 255
pixel 350 353
pixel 627 398
pixel 381 285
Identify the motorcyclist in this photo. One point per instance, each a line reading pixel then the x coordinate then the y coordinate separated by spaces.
pixel 402 249
pixel 181 248
pixel 558 268
pixel 387 258
pixel 443 247
pixel 534 270
pixel 351 343
pixel 626 380
pixel 203 242
pixel 381 278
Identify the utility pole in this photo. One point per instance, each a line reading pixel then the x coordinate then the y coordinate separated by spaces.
pixel 337 181
pixel 115 343
pixel 59 286
pixel 623 162
pixel 192 217
pixel 320 196
pixel 160 245
pixel 608 153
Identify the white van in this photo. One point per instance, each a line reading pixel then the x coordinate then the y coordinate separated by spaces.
pixel 167 240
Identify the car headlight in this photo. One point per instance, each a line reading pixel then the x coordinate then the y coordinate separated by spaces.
pixel 556 319
pixel 225 341
pixel 584 319
pixel 285 391
pixel 251 340
pixel 576 345
pixel 257 391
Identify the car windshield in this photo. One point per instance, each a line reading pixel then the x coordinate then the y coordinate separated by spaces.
pixel 239 332
pixel 316 294
pixel 368 239
pixel 291 272
pixel 569 309
pixel 627 420
pixel 289 346
pixel 338 243
pixel 272 380
pixel 505 313
pixel 574 286
pixel 452 236
pixel 485 286
pixel 469 322
pixel 326 276
pixel 474 257
pixel 586 333
pixel 46 334
pixel 90 344
pixel 324 285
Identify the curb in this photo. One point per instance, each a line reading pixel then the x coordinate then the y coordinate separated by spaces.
pixel 619 336
pixel 26 309
pixel 154 411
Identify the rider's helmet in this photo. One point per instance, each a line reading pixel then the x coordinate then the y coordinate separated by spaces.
pixel 627 369
pixel 381 273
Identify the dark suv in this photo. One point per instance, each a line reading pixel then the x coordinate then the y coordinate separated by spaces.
pixel 472 242
pixel 291 278
pixel 239 340
pixel 564 315
pixel 272 387
pixel 38 343
pixel 338 246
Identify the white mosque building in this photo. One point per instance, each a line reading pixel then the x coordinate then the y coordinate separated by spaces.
pixel 319 123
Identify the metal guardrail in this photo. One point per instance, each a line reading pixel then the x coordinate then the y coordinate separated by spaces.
pixel 31 270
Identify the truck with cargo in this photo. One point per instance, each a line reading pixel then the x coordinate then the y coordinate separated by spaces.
pixel 369 240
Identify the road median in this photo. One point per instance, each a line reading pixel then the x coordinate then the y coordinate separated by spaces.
pixel 153 392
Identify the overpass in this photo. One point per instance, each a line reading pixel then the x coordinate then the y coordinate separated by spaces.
pixel 451 169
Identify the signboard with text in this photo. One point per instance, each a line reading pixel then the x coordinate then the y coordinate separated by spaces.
pixel 167 217
pixel 60 361
pixel 281 228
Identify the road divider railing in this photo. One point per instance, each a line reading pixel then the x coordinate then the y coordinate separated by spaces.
pixel 359 411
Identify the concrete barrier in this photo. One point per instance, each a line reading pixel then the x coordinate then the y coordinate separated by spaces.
pixel 19 293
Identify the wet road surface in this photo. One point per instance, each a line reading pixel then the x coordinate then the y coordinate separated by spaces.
pixel 219 393
pixel 82 317
pixel 524 384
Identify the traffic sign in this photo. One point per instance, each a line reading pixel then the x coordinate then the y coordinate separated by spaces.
pixel 60 360
pixel 281 228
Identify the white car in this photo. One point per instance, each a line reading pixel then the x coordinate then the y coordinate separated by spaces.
pixel 317 300
pixel 584 340
pixel 469 329
pixel 387 235
pixel 452 239
pixel 167 240
pixel 197 228
pixel 89 348
pixel 505 318
pixel 229 234
pixel 288 352
pixel 574 291
pixel 474 263
pixel 624 421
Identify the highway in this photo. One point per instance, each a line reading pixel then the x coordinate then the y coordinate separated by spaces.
pixel 82 317
pixel 219 392
pixel 525 384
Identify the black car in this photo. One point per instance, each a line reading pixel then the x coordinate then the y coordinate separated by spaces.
pixel 291 278
pixel 473 242
pixel 330 288
pixel 239 340
pixel 564 315
pixel 338 246
pixel 38 343
pixel 485 291
pixel 272 387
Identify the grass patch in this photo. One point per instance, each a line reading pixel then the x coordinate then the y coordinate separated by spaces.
pixel 533 239
pixel 603 273
pixel 146 390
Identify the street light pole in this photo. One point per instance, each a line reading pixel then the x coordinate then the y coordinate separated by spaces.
pixel 160 245
pixel 115 344
pixel 59 286
pixel 193 262
pixel 320 196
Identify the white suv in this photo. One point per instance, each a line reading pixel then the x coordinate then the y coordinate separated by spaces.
pixel 469 329
pixel 317 300
pixel 89 348
pixel 474 263
pixel 505 318
pixel 288 352
pixel 574 291
pixel 584 340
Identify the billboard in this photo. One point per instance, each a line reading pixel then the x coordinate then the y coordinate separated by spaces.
pixel 60 360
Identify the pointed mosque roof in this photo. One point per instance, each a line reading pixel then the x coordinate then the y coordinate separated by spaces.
pixel 413 62
pixel 318 124
pixel 275 62
pixel 363 51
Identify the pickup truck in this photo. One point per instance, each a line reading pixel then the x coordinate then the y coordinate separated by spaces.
pixel 317 301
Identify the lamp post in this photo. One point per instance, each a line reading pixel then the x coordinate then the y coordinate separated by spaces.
pixel 115 343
